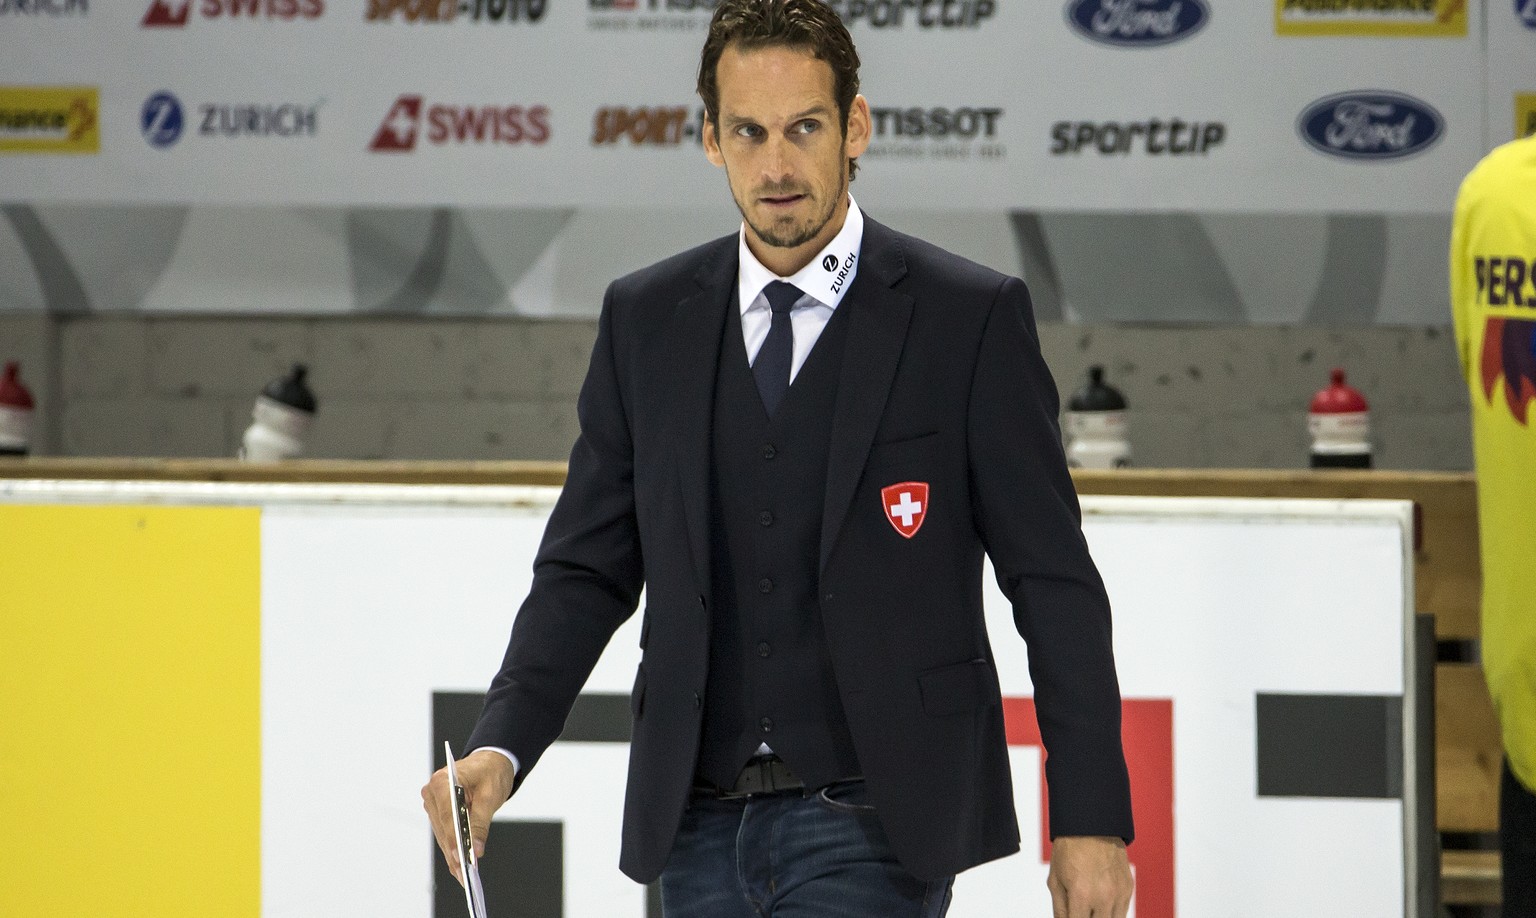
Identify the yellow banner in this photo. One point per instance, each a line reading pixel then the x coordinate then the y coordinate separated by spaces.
pixel 50 119
pixel 130 711
pixel 1372 18
pixel 1525 114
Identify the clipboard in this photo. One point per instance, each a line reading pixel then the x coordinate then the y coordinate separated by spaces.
pixel 474 892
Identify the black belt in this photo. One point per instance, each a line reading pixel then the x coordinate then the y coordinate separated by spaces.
pixel 763 775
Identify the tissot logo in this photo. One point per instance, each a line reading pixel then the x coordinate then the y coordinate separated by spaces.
pixel 429 11
pixel 55 8
pixel 922 14
pixel 1153 137
pixel 937 132
pixel 1137 23
pixel 656 126
pixel 1525 11
pixel 176 13
pixel 459 125
pixel 649 15
pixel 1370 124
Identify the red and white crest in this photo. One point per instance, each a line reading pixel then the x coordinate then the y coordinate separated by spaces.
pixel 905 505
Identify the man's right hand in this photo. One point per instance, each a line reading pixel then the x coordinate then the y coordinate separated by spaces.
pixel 487 779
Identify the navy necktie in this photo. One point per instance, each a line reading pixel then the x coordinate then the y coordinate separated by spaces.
pixel 771 369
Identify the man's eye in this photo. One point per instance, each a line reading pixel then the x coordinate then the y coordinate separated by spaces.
pixel 808 127
pixel 749 130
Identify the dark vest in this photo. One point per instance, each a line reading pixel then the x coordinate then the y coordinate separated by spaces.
pixel 770 678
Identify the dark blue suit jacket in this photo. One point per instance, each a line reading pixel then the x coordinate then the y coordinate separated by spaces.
pixel 942 382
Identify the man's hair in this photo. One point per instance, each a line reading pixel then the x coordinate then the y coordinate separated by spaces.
pixel 805 25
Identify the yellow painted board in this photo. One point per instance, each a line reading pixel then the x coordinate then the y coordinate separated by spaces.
pixel 1360 19
pixel 50 119
pixel 1525 114
pixel 130 703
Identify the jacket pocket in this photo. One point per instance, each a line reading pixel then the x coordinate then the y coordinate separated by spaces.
pixel 956 688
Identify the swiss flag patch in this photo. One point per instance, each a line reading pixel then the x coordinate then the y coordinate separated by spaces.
pixel 905 505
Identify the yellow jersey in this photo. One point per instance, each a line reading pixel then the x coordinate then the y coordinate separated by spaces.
pixel 1493 300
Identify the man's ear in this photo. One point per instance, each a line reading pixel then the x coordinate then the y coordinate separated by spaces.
pixel 712 142
pixel 858 130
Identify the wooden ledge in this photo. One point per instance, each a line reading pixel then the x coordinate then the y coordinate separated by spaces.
pixel 1470 878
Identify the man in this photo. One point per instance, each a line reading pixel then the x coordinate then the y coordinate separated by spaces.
pixel 800 439
pixel 1493 299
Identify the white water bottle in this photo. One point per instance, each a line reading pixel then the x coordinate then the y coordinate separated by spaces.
pixel 1340 425
pixel 1096 428
pixel 16 411
pixel 282 415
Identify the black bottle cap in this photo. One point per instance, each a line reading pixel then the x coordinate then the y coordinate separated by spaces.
pixel 1097 395
pixel 290 390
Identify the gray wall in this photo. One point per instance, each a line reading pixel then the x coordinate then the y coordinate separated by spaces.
pixel 505 388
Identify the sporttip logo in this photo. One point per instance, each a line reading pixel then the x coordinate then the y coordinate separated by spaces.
pixel 1137 23
pixel 458 124
pixel 1370 124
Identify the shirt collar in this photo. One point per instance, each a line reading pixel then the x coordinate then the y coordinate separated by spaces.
pixel 826 278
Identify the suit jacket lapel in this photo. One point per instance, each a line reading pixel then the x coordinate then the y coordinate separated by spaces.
pixel 876 333
pixel 692 354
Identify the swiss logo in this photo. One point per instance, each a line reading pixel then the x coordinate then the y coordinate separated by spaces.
pixel 905 505
pixel 397 134
pixel 163 14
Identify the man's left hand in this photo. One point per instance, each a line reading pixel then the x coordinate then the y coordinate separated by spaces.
pixel 1090 877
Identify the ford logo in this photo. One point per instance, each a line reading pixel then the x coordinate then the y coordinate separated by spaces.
pixel 1370 124
pixel 1137 23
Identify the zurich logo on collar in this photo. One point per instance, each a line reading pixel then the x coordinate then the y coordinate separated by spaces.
pixel 1370 124
pixel 1137 23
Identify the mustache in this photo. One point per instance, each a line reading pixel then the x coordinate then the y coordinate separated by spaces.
pixel 781 190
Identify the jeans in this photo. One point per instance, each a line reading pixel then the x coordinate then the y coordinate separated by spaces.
pixel 801 854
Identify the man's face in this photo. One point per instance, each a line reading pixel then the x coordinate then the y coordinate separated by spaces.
pixel 784 152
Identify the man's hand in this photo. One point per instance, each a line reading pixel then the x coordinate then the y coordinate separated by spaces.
pixel 1090 877
pixel 487 780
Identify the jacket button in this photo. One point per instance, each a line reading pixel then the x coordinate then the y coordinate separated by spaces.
pixel 763 649
pixel 765 725
pixel 769 452
pixel 765 585
pixel 765 518
pixel 697 701
pixel 702 603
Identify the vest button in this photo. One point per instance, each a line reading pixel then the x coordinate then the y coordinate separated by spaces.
pixel 765 725
pixel 769 452
pixel 765 518
pixel 765 585
pixel 763 649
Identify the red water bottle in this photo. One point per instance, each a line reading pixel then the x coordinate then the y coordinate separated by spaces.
pixel 1340 424
pixel 16 410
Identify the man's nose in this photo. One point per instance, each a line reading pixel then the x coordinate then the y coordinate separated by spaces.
pixel 778 160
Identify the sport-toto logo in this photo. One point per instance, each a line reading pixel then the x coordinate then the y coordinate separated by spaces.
pixel 1370 124
pixel 459 124
pixel 175 13
pixel 1137 23
pixel 510 11
pixel 647 125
